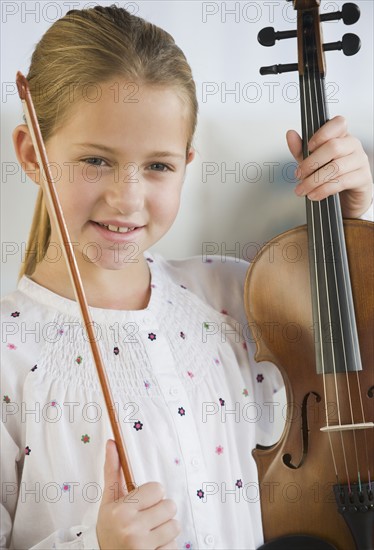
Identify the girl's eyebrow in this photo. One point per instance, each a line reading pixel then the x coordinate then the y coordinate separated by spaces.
pixel 160 154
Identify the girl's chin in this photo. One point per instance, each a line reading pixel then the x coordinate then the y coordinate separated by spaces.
pixel 116 258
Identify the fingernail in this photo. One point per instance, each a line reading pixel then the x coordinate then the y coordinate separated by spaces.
pixel 298 173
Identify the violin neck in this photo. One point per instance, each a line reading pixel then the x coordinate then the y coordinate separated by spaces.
pixel 334 325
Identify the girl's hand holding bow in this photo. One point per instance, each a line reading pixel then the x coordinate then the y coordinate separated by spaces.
pixel 337 163
pixel 137 520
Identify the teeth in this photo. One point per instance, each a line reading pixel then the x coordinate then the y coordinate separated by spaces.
pixel 116 229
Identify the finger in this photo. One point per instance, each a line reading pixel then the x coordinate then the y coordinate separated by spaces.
pixel 165 533
pixel 334 149
pixel 114 482
pixel 295 145
pixel 334 128
pixel 159 514
pixel 332 173
pixel 351 181
pixel 146 496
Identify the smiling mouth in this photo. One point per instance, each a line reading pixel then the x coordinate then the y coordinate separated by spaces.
pixel 116 229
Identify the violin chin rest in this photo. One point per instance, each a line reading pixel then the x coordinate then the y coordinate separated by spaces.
pixel 297 542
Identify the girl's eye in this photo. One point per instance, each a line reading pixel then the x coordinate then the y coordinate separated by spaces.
pixel 93 161
pixel 159 167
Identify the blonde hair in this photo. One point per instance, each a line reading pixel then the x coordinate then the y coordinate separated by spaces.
pixel 88 47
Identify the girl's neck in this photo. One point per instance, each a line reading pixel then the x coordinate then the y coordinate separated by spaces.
pixel 126 289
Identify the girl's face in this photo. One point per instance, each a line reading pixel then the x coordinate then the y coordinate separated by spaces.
pixel 119 164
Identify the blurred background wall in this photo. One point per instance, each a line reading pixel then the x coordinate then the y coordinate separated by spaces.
pixel 239 189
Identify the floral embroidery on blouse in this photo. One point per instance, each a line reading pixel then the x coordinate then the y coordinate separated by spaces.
pixel 200 493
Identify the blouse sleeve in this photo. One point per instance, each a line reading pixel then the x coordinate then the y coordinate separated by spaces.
pixel 11 491
pixel 10 485
pixel 16 353
pixel 67 538
pixel 9 482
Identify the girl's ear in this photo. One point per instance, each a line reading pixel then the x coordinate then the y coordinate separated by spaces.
pixel 191 156
pixel 25 152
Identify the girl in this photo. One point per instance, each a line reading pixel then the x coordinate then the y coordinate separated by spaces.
pixel 190 399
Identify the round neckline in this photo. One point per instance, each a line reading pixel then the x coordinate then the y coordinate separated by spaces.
pixel 70 307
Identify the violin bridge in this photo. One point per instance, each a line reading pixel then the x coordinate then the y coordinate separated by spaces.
pixel 346 427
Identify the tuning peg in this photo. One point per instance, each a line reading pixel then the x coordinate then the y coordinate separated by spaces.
pixel 350 44
pixel 277 69
pixel 268 36
pixel 350 14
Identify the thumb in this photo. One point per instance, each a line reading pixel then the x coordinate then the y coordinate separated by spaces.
pixel 114 481
pixel 295 145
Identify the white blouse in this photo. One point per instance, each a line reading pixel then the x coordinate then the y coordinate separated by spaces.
pixel 191 400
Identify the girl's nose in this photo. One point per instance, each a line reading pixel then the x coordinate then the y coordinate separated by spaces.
pixel 126 192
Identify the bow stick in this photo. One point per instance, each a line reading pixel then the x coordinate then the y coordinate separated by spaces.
pixel 50 193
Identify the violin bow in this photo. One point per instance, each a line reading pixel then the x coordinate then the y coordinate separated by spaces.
pixel 51 196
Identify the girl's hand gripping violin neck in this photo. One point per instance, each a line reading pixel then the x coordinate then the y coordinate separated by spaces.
pixel 316 484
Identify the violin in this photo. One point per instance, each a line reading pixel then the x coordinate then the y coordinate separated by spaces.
pixel 316 481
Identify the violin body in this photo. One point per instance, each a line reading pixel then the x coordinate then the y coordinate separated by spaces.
pixel 297 475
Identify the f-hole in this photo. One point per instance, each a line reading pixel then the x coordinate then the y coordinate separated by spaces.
pixel 287 458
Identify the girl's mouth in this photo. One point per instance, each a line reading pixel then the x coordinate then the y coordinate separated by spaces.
pixel 116 229
pixel 116 233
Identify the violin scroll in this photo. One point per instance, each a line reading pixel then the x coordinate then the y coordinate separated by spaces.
pixel 309 18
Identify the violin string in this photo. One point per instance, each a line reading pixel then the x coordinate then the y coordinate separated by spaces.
pixel 307 134
pixel 359 391
pixel 316 210
pixel 328 298
pixel 340 244
pixel 304 80
pixel 310 206
pixel 351 321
